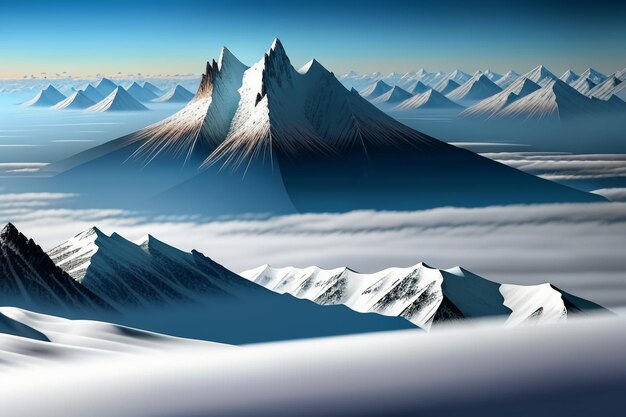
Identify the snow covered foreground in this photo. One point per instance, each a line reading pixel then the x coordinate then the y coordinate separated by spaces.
pixel 577 368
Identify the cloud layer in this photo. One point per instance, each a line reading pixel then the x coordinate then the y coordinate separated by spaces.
pixel 578 247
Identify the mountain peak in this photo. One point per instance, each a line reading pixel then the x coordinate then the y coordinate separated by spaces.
pixel 277 46
pixel 9 233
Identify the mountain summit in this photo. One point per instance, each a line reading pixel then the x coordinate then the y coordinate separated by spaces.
pixel 271 139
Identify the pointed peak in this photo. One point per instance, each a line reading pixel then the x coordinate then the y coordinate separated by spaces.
pixel 311 65
pixel 227 58
pixel 277 46
pixel 8 230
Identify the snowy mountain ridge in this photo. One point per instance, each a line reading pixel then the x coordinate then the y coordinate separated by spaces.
pixel 424 295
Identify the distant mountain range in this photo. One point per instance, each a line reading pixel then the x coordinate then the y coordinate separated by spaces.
pixel 106 95
pixel 487 94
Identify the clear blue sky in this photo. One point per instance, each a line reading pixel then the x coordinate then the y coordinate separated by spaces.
pixel 154 37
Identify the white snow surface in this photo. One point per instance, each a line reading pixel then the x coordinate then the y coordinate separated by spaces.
pixel 569 77
pixel 78 100
pixel 491 106
pixel 576 368
pixel 178 94
pixel 595 76
pixel 473 90
pixel 507 79
pixel 375 90
pixel 430 99
pixel 45 98
pixel 556 100
pixel 583 85
pixel 416 293
pixel 393 96
pixel 118 100
pixel 540 75
pixel 605 89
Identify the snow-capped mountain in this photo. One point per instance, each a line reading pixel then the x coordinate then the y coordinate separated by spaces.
pixel 492 75
pixel 507 79
pixel 140 93
pixel 569 77
pixel 104 87
pixel 375 90
pixel 29 279
pixel 93 94
pixel 473 90
pixel 430 99
pixel 491 106
pixel 147 85
pixel 423 295
pixel 605 89
pixel 595 76
pixel 555 101
pixel 393 96
pixel 45 98
pixel 78 100
pixel 457 76
pixel 446 86
pixel 263 132
pixel 418 87
pixel 160 288
pixel 583 85
pixel 147 273
pixel 178 94
pixel 540 75
pixel 118 100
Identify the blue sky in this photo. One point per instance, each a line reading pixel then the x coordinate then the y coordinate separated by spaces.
pixel 154 37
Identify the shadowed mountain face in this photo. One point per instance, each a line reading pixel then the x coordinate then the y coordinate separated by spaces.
pixel 271 139
pixel 29 279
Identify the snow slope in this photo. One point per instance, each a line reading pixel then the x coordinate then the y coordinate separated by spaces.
pixel 375 90
pixel 507 79
pixel 78 100
pixel 28 338
pixel 421 294
pixel 92 93
pixel 595 76
pixel 28 278
pixel 118 100
pixel 473 90
pixel 569 77
pixel 493 76
pixel 45 98
pixel 140 93
pixel 430 99
pixel 147 85
pixel 104 87
pixel 418 87
pixel 605 89
pixel 446 86
pixel 178 94
pixel 490 106
pixel 393 96
pixel 554 101
pixel 583 85
pixel 576 369
pixel 540 75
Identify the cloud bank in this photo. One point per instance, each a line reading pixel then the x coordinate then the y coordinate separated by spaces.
pixel 578 247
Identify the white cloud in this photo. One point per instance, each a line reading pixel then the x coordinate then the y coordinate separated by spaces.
pixel 560 167
pixel 613 194
pixel 579 247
